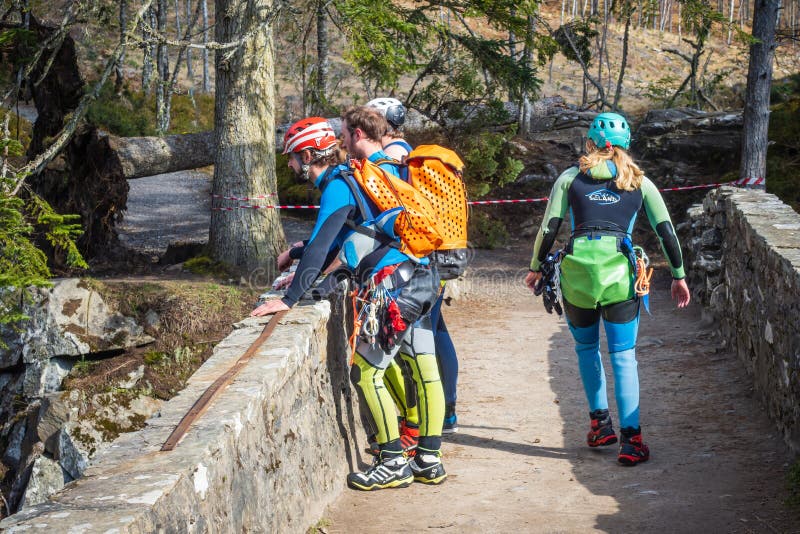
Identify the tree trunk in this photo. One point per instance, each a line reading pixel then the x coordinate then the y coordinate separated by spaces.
pixel 524 120
pixel 244 124
pixel 206 82
pixel 189 73
pixel 759 80
pixel 512 39
pixel 76 181
pixel 624 60
pixel 162 62
pixel 123 23
pixel 323 63
pixel 178 18
pixel 147 54
pixel 147 156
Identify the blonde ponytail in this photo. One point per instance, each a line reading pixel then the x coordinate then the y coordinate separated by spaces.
pixel 629 175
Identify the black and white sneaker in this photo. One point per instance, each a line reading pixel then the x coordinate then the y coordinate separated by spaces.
pixel 427 468
pixel 391 472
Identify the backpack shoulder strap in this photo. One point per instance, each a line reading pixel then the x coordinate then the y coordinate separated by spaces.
pixel 366 214
pixel 347 177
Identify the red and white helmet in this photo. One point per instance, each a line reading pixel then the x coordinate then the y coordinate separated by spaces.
pixel 315 133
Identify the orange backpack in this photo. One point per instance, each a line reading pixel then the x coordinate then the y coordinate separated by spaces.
pixel 433 202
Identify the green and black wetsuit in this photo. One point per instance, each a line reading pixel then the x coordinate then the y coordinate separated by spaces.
pixel 597 275
pixel 595 272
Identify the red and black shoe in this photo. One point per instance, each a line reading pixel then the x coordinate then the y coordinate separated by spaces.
pixel 632 450
pixel 409 437
pixel 602 432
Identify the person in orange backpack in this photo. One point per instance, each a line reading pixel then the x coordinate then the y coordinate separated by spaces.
pixel 408 284
pixel 396 147
pixel 362 131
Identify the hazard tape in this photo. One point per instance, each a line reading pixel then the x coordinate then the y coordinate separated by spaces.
pixel 246 199
pixel 741 182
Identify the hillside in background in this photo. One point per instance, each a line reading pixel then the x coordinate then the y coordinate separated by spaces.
pixel 652 73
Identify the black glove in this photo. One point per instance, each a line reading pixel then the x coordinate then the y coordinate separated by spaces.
pixel 546 285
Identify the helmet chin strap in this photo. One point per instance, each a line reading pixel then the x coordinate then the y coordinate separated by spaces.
pixel 305 168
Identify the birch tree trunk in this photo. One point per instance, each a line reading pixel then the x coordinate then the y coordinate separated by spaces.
pixel 162 63
pixel 123 24
pixel 206 83
pixel 244 125
pixel 525 110
pixel 759 80
pixel 189 72
pixel 147 54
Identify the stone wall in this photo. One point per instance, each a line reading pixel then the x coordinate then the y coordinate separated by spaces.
pixel 743 252
pixel 269 454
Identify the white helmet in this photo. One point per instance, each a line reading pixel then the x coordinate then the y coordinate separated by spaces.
pixel 391 108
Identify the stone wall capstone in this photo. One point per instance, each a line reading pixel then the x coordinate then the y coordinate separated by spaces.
pixel 268 455
pixel 743 249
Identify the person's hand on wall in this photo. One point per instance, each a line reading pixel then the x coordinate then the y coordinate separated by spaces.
pixel 680 293
pixel 269 307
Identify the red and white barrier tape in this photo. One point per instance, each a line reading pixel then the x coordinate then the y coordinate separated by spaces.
pixel 246 199
pixel 740 182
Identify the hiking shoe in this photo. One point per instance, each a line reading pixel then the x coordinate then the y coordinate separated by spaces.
pixel 602 432
pixel 632 450
pixel 392 472
pixel 450 420
pixel 428 468
pixel 409 437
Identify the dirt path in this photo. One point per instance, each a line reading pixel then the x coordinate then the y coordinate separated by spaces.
pixel 176 208
pixel 520 464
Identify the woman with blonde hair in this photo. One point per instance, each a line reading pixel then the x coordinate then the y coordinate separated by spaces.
pixel 597 273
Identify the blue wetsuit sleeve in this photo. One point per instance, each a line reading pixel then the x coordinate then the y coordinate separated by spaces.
pixel 660 221
pixel 316 255
pixel 336 205
pixel 553 217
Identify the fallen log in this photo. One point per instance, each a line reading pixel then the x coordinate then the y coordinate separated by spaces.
pixel 137 157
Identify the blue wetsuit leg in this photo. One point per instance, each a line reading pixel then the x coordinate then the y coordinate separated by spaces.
pixel 445 352
pixel 622 350
pixel 593 376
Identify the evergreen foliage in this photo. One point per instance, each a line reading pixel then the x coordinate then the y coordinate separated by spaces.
pixel 24 219
pixel 453 67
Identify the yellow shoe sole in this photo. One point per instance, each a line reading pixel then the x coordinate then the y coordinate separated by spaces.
pixel 402 483
pixel 431 481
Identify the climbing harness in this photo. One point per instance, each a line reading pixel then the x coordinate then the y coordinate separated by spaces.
pixel 549 285
pixel 377 319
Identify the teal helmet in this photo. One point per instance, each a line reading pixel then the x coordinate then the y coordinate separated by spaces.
pixel 610 128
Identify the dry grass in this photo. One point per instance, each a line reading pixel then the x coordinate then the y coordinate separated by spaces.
pixel 193 316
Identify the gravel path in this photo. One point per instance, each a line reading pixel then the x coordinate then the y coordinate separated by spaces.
pixel 176 208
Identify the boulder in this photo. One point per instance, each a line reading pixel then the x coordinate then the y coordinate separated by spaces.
pixel 77 443
pixel 67 320
pixel 47 477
